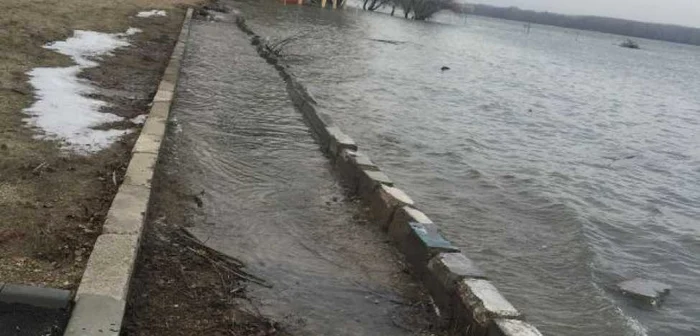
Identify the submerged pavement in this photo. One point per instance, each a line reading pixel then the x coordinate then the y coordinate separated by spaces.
pixel 270 198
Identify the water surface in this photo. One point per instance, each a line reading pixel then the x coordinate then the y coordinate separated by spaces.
pixel 559 161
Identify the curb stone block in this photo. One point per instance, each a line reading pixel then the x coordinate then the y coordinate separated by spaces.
pixel 147 143
pixel 384 202
pixel 444 271
pixel 96 315
pixel 110 266
pixel 172 73
pixel 128 211
pixel 479 303
pixel 166 85
pixel 399 227
pixel 296 96
pixel 339 141
pixel 369 180
pixel 361 160
pixel 51 298
pixel 302 91
pixel 318 121
pixel 163 96
pixel 154 125
pixel 505 327
pixel 350 164
pixel 449 268
pixel 648 291
pixel 324 121
pixel 140 169
pixel 160 110
pixel 423 242
pixel 151 136
pixel 101 296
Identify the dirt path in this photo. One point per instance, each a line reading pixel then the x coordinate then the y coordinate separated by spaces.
pixel 53 201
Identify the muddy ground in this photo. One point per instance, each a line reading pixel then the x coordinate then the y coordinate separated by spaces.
pixel 180 287
pixel 53 202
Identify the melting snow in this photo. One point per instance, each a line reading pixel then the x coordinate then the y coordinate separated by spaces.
pixel 132 31
pixel 139 119
pixel 150 13
pixel 62 110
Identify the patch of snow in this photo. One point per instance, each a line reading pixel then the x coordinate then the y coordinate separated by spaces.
pixel 133 31
pixel 139 119
pixel 150 13
pixel 62 110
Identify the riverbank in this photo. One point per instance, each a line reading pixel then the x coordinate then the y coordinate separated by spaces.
pixel 53 200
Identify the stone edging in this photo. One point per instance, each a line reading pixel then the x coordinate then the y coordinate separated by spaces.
pixel 101 298
pixel 469 303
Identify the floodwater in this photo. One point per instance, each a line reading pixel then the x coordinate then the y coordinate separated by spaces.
pixel 271 200
pixel 559 161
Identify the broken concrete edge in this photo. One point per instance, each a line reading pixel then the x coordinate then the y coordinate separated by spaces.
pixel 100 300
pixel 459 288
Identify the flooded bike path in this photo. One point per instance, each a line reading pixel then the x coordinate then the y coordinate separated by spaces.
pixel 270 198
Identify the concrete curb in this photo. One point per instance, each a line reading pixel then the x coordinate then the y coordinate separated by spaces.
pixel 101 298
pixel 469 303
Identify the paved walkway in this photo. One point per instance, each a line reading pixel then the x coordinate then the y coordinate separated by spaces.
pixel 271 199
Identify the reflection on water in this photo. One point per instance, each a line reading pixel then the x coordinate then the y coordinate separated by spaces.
pixel 559 161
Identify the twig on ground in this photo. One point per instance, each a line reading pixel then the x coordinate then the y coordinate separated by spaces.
pixel 220 260
pixel 41 165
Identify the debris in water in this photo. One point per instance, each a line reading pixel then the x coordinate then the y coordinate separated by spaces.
pixel 445 68
pixel 388 41
pixel 198 199
pixel 155 12
pixel 630 44
pixel 651 291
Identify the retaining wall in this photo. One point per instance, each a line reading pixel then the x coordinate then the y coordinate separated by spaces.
pixel 101 298
pixel 467 300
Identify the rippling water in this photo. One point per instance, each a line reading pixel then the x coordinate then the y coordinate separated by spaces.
pixel 559 161
pixel 271 200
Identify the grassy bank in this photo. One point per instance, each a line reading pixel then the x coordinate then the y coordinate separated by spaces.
pixel 53 202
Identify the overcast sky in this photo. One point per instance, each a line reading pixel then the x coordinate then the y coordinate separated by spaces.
pixel 683 12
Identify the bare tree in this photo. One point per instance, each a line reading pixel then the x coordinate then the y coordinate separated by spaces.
pixel 422 9
pixel 374 4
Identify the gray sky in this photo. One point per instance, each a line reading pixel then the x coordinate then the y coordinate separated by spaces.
pixel 683 12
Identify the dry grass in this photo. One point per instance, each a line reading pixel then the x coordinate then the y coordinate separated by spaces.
pixel 52 203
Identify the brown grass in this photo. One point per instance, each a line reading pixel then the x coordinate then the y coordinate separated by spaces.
pixel 52 203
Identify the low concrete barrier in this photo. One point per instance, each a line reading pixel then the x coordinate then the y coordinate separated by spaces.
pixel 468 302
pixel 101 298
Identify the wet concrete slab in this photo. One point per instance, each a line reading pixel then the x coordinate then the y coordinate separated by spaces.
pixel 270 198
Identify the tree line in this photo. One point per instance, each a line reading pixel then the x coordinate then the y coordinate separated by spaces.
pixel 424 9
pixel 654 31
pixel 412 9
